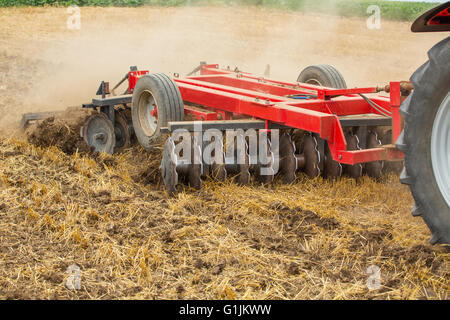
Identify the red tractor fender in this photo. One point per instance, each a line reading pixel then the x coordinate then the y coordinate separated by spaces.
pixel 436 19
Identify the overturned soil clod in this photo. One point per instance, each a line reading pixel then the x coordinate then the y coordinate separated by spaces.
pixel 63 134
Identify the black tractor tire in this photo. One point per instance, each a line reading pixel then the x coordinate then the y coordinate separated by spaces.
pixel 154 90
pixel 431 86
pixel 322 75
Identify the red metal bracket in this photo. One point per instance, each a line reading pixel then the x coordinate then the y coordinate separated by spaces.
pixel 395 96
pixel 201 114
pixel 133 77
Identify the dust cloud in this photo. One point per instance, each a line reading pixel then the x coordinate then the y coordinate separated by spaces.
pixel 45 66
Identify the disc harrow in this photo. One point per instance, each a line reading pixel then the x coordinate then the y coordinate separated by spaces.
pixel 314 126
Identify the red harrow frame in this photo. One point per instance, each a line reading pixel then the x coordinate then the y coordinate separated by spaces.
pixel 226 94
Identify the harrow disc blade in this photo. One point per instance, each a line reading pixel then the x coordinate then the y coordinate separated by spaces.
pixel 354 171
pixel 373 169
pixel 240 164
pixel 333 169
pixel 195 168
pixel 214 163
pixel 168 167
pixel 122 132
pixel 264 169
pixel 98 133
pixel 312 156
pixel 206 165
pixel 288 161
pixel 243 177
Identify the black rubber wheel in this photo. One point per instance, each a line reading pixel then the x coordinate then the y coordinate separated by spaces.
pixel 154 92
pixel 98 133
pixel 322 75
pixel 122 132
pixel 422 111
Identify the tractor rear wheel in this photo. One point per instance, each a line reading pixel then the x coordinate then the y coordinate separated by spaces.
pixel 156 100
pixel 425 142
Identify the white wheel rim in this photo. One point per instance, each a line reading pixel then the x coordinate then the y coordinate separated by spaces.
pixel 440 148
pixel 147 120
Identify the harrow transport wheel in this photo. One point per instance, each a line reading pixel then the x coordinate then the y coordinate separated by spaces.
pixel 98 132
pixel 425 142
pixel 322 75
pixel 156 100
pixel 122 132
